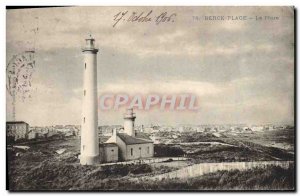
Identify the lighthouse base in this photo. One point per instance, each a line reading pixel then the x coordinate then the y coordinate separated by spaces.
pixel 89 160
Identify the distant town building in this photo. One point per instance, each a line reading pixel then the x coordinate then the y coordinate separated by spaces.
pixel 17 130
pixel 257 128
pixel 32 135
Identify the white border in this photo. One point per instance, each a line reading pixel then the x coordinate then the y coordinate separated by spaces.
pixel 4 3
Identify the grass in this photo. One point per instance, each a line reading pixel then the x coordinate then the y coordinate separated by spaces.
pixel 62 176
pixel 59 176
pixel 238 150
pixel 270 178
pixel 41 168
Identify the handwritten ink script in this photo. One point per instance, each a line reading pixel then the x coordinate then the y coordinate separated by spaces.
pixel 143 17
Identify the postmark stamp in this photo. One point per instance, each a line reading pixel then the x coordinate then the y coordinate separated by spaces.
pixel 19 72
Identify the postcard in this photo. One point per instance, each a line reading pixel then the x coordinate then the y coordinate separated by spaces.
pixel 165 98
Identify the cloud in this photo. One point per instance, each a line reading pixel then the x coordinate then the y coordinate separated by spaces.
pixel 175 86
pixel 240 70
pixel 47 106
pixel 66 28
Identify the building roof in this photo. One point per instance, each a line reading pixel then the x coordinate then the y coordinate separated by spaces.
pixel 108 145
pixel 127 139
pixel 16 122
pixel 142 135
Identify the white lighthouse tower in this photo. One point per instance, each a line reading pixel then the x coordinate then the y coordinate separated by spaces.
pixel 129 118
pixel 89 122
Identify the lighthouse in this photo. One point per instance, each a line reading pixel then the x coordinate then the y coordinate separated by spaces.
pixel 129 118
pixel 89 122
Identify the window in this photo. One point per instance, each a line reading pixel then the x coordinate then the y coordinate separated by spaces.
pixel 131 151
pixel 84 92
pixel 84 65
pixel 112 150
pixel 148 150
pixel 83 119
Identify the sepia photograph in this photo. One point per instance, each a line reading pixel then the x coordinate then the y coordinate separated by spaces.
pixel 150 98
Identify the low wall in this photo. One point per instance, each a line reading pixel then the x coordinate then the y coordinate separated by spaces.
pixel 205 168
pixel 148 160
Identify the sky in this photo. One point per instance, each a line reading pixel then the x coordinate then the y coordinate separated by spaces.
pixel 240 71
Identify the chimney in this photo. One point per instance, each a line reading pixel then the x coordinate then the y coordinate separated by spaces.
pixel 114 133
pixel 113 138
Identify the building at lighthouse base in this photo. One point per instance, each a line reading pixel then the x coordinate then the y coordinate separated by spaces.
pixel 109 152
pixel 130 147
